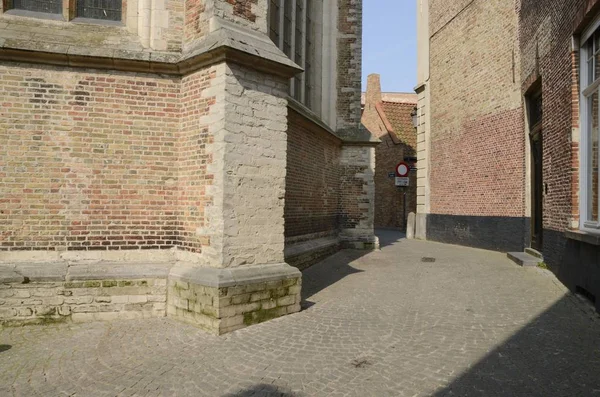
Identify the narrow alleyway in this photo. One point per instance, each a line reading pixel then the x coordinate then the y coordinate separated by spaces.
pixel 415 318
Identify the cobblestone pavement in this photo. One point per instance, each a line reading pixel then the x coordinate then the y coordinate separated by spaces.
pixel 382 324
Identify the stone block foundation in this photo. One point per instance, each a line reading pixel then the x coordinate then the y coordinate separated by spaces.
pixel 216 300
pixel 224 300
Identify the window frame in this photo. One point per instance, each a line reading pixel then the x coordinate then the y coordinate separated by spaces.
pixel 302 86
pixel 587 90
pixel 68 13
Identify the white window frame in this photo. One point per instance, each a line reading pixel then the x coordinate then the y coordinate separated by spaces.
pixel 587 90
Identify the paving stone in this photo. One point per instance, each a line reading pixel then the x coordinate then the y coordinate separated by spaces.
pixel 382 323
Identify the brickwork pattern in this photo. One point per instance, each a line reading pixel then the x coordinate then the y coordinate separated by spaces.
pixel 349 60
pixel 545 33
pixel 193 158
pixel 389 199
pixel 174 34
pixel 196 20
pixel 81 301
pixel 87 160
pixel 477 141
pixel 312 190
pixel 392 124
pixel 226 309
pixel 249 13
pixel 357 183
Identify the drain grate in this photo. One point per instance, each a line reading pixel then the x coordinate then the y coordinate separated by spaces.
pixel 427 259
pixel 361 363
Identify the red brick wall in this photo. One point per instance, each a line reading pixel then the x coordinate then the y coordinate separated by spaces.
pixel 195 25
pixel 87 159
pixel 389 199
pixel 557 67
pixel 477 133
pixel 312 181
pixel 193 159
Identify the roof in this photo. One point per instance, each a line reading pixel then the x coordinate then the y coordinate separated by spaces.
pixel 399 117
pixel 394 97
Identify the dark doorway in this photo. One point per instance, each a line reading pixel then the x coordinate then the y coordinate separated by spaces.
pixel 537 181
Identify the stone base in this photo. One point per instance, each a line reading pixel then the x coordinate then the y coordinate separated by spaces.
pixel 421 226
pixel 53 292
pixel 217 300
pixel 305 253
pixel 224 300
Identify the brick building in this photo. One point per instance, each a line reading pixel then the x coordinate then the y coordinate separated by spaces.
pixel 513 165
pixel 388 118
pixel 175 157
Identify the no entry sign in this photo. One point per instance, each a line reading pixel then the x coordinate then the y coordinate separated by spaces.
pixel 402 169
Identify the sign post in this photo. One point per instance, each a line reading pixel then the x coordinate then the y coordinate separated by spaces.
pixel 402 180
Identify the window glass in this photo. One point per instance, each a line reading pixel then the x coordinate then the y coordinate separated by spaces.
pixel 298 31
pixel 47 6
pixel 274 21
pixel 99 9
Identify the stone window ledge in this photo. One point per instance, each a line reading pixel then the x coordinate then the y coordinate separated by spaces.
pixel 584 237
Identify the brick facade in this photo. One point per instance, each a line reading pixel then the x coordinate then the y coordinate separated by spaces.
pixel 389 120
pixel 494 68
pixel 88 160
pixel 171 140
pixel 476 126
pixel 549 42
pixel 312 190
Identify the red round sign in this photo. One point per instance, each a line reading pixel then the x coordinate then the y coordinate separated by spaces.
pixel 402 169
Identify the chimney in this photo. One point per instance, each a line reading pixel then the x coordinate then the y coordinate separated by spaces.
pixel 373 91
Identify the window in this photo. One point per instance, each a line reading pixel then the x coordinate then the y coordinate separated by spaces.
pixel 99 9
pixel 46 6
pixel 292 29
pixel 590 86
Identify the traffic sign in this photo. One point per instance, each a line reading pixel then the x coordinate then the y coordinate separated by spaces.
pixel 402 181
pixel 402 169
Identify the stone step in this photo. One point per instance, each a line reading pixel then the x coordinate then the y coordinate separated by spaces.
pixel 535 253
pixel 523 259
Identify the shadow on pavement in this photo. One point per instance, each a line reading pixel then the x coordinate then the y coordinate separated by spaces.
pixel 328 272
pixel 389 237
pixel 264 390
pixel 4 348
pixel 556 354
pixel 338 266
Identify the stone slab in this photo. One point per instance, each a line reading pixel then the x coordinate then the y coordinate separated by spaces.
pixel 101 271
pixel 523 259
pixel 243 275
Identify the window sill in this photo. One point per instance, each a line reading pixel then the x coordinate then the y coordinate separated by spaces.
pixel 584 237
pixel 92 21
pixel 35 14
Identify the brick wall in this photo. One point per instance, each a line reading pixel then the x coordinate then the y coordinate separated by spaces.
pixel 87 159
pixel 349 60
pixel 312 180
pixel 476 113
pixel 546 29
pixel 550 55
pixel 195 24
pixel 389 199
pixel 193 158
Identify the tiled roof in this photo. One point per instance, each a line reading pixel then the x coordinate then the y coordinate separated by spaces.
pixel 395 97
pixel 398 120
